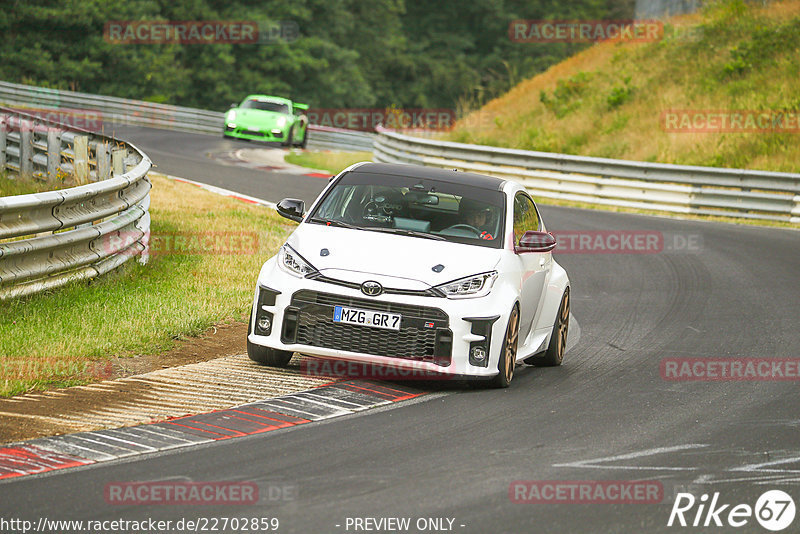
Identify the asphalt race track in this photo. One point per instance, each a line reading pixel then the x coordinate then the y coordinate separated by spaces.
pixel 606 414
pixel 187 155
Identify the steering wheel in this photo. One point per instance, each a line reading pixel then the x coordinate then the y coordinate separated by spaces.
pixel 463 226
pixel 370 208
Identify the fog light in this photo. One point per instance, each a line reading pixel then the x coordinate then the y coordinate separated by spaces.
pixel 479 353
pixel 265 323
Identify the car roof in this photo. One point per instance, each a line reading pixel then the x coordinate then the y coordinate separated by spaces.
pixel 267 98
pixel 442 175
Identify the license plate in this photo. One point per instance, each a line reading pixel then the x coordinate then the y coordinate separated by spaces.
pixel 376 319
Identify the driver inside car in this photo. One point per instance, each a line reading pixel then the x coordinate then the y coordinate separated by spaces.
pixel 478 216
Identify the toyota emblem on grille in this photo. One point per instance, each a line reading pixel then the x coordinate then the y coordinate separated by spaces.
pixel 371 288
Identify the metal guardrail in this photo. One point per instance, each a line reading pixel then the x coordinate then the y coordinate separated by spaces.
pixel 324 137
pixel 112 111
pixel 51 238
pixel 632 184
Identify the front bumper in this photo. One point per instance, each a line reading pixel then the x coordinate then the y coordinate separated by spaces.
pixel 436 334
pixel 276 135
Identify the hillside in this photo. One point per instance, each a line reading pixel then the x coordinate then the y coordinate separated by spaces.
pixel 612 99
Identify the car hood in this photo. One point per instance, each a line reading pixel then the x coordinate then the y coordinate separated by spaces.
pixel 393 260
pixel 259 117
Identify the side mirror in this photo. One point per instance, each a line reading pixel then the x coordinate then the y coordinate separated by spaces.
pixel 292 208
pixel 233 106
pixel 536 242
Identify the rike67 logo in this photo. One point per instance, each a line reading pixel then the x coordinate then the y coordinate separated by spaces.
pixel 774 510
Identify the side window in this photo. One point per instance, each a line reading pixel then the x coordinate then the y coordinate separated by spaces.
pixel 525 217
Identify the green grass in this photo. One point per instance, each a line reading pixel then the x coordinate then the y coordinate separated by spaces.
pixel 62 337
pixel 10 187
pixel 327 160
pixel 609 99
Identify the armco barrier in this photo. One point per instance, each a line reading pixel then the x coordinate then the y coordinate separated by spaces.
pixel 652 186
pixel 115 111
pixel 48 239
pixel 632 184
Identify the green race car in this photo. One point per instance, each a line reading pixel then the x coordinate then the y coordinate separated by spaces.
pixel 268 118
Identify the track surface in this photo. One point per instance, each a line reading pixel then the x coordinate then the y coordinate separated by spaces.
pixel 190 156
pixel 605 414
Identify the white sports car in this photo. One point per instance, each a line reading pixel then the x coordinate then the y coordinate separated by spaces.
pixel 414 268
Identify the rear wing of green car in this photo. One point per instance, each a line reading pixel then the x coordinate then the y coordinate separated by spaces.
pixel 298 108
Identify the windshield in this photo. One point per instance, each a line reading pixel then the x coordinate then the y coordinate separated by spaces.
pixel 413 206
pixel 266 106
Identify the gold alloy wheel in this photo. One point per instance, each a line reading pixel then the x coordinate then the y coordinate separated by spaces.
pixel 563 326
pixel 510 345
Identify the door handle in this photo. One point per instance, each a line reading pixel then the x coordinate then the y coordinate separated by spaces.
pixel 541 262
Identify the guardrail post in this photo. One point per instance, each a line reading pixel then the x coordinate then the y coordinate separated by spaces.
pixel 3 141
pixel 81 148
pixel 26 149
pixel 118 156
pixel 53 154
pixel 103 155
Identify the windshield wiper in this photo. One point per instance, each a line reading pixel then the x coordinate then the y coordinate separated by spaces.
pixel 410 233
pixel 334 222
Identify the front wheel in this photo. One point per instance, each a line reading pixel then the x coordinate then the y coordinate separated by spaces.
pixel 268 356
pixel 508 354
pixel 289 138
pixel 558 339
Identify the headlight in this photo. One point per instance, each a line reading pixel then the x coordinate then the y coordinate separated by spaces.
pixel 293 263
pixel 281 121
pixel 232 115
pixel 472 286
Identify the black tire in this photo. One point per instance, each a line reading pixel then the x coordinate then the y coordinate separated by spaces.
pixel 266 355
pixel 508 354
pixel 289 137
pixel 558 339
pixel 305 139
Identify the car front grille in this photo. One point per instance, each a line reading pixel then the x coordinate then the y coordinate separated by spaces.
pixel 424 333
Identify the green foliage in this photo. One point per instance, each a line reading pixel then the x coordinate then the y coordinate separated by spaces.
pixel 762 46
pixel 349 53
pixel 619 94
pixel 567 95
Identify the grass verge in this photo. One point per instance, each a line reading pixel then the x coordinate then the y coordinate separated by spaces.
pixel 63 337
pixel 10 187
pixel 326 160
